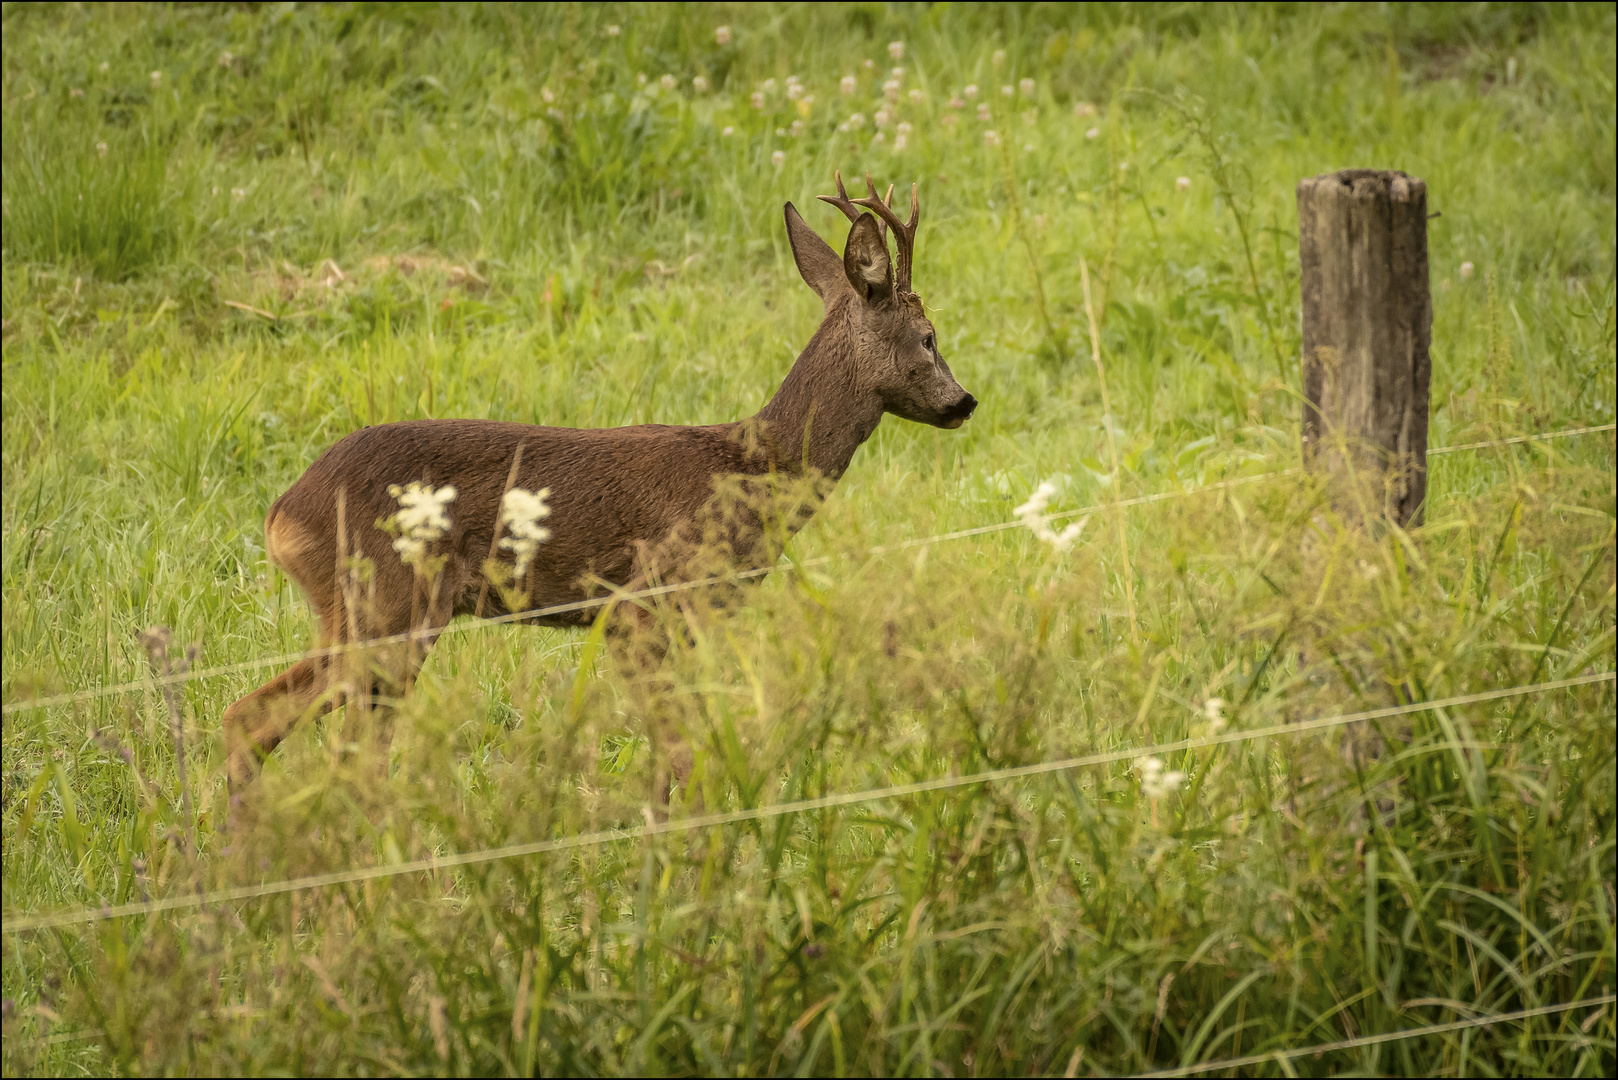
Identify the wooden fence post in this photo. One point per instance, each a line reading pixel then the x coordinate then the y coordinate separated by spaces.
pixel 1367 328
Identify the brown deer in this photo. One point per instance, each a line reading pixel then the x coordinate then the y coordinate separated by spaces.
pixel 630 506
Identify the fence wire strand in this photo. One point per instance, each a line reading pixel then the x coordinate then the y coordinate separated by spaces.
pixel 466 626
pixel 23 923
pixel 1282 1056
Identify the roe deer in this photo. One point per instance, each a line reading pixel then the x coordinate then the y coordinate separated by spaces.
pixel 630 505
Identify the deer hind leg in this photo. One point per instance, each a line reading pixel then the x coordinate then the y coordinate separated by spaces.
pixel 259 722
pixel 639 646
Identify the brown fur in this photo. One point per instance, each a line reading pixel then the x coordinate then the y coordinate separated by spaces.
pixel 629 505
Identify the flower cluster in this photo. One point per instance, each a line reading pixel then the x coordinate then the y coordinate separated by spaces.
pixel 421 518
pixel 1155 781
pixel 522 511
pixel 1032 514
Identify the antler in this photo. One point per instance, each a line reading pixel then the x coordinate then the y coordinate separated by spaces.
pixel 851 208
pixel 904 233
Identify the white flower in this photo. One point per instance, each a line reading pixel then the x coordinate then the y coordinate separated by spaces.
pixel 555 114
pixel 856 121
pixel 1026 86
pixel 896 49
pixel 1092 133
pixel 1084 108
pixel 950 120
pixel 157 79
pixel 1123 166
pixel 613 30
pixel 101 149
pixel 1032 512
pixel 916 96
pixel 1154 781
pixel 1183 183
pixel 1466 269
pixel 984 114
pixel 897 73
pixel 238 193
pixel 780 133
pixel 227 58
pixel 796 129
pixel 778 158
pixel 699 84
pixel 669 82
pixel 768 86
pixel 727 131
pixel 757 98
pixel 880 137
pixel 882 117
pixel 956 103
pixel 999 57
pixel 1214 710
pixel 899 143
pixel 890 89
pixel 904 127
pixel 1008 91
pixel 848 84
pixel 522 511
pixel 421 518
pixel 721 35
pixel 640 78
pixel 794 91
pixel 971 91
pixel 546 95
pixel 869 65
pixel 104 66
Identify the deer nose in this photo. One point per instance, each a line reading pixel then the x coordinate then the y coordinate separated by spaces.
pixel 957 413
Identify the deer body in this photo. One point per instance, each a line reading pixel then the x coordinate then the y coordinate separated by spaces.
pixel 630 505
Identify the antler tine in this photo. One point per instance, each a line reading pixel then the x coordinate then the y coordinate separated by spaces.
pixel 848 206
pixel 904 232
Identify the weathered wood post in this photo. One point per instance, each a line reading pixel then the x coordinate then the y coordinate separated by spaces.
pixel 1367 328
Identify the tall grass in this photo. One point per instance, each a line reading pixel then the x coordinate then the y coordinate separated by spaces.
pixel 322 217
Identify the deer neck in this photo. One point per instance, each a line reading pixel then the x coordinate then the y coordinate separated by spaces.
pixel 820 415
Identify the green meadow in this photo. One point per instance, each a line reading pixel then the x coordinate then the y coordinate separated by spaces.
pixel 235 233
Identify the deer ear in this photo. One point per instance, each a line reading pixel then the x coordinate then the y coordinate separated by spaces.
pixel 866 261
pixel 822 270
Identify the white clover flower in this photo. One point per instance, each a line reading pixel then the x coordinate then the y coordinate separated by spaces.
pixel 668 82
pixel 157 79
pixel 881 136
pixel 1092 133
pixel 640 78
pixel 546 95
pixel 721 35
pixel 780 133
pixel 613 30
pixel 897 73
pixel 869 65
pixel 950 120
pixel 916 96
pixel 522 511
pixel 999 57
pixel 882 117
pixel 1008 91
pixel 896 49
pixel 1182 183
pixel 1466 270
pixel 757 98
pixel 768 86
pixel 104 66
pixel 856 121
pixel 984 114
pixel 1032 512
pixel 227 58
pixel 237 193
pixel 778 158
pixel 699 84
pixel 1084 108
pixel 971 91
pixel 900 142
pixel 848 84
pixel 890 89
pixel 904 127
pixel 1026 86
pixel 101 150
pixel 794 90
pixel 727 131
pixel 421 518
pixel 796 129
pixel 955 102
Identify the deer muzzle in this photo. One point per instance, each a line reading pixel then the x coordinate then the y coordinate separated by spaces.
pixel 958 413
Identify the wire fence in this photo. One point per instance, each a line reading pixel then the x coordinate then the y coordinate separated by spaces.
pixel 593 603
pixel 45 921
pixel 1281 1057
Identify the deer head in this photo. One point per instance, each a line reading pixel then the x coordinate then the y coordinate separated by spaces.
pixel 892 345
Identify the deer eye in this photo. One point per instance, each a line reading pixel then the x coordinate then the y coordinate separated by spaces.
pixel 927 343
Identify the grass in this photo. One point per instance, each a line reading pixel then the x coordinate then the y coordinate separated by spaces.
pixel 316 218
